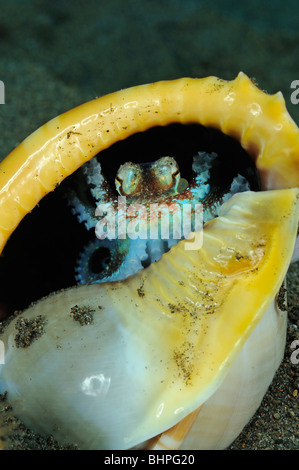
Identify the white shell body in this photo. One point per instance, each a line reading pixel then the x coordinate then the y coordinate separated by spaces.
pixel 228 410
pixel 72 406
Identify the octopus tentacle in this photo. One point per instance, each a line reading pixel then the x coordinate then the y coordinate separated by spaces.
pixel 119 260
pixel 89 181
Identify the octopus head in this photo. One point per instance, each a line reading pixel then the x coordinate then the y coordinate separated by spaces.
pixel 159 177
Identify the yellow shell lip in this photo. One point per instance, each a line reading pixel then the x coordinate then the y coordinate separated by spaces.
pixel 260 122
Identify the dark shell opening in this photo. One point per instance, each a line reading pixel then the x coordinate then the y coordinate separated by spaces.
pixel 40 256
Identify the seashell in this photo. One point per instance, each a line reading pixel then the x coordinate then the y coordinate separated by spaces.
pixel 111 382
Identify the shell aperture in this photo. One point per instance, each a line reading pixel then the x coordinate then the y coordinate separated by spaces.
pixel 130 255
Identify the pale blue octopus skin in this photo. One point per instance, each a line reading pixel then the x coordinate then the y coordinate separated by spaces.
pixel 137 253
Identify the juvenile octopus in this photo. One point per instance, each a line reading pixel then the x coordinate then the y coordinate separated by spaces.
pixel 159 183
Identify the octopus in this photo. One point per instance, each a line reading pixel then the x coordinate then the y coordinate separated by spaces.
pixel 140 187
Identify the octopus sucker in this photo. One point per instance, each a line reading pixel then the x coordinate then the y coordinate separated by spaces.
pixel 180 353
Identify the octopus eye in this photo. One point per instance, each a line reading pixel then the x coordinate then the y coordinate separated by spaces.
pixel 167 174
pixel 127 184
